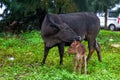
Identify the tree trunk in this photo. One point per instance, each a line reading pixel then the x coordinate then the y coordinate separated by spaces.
pixel 105 25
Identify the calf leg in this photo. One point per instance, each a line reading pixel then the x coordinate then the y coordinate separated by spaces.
pixel 61 52
pixel 85 65
pixel 80 65
pixel 97 48
pixel 75 64
pixel 46 50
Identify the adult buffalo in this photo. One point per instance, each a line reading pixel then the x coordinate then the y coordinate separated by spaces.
pixel 61 29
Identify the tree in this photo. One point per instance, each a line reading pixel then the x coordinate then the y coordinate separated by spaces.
pixel 16 9
pixel 34 11
pixel 62 6
pixel 82 5
pixel 104 5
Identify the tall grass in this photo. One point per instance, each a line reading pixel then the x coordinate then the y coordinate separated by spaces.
pixel 20 59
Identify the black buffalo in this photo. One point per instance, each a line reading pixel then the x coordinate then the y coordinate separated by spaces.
pixel 62 29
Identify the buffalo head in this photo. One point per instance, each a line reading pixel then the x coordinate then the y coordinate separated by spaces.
pixel 55 31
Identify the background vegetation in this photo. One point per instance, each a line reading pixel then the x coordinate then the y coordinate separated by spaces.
pixel 18 10
pixel 20 58
pixel 24 7
pixel 21 54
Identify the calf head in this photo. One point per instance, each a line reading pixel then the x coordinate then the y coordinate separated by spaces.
pixel 74 47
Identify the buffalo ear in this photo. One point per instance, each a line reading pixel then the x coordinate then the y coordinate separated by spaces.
pixel 54 27
pixel 52 19
pixel 80 38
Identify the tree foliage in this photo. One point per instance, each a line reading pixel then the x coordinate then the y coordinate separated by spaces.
pixel 82 5
pixel 64 6
pixel 18 9
pixel 102 5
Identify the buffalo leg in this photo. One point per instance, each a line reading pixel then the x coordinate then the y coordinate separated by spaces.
pixel 90 54
pixel 61 52
pixel 46 50
pixel 97 48
pixel 91 48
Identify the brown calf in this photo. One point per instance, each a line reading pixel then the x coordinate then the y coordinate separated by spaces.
pixel 79 52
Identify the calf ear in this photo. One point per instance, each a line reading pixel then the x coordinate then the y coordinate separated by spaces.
pixel 77 45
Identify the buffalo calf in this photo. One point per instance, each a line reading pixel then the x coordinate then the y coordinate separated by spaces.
pixel 79 52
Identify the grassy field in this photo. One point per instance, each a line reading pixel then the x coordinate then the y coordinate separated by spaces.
pixel 20 59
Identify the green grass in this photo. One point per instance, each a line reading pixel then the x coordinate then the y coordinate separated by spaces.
pixel 27 50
